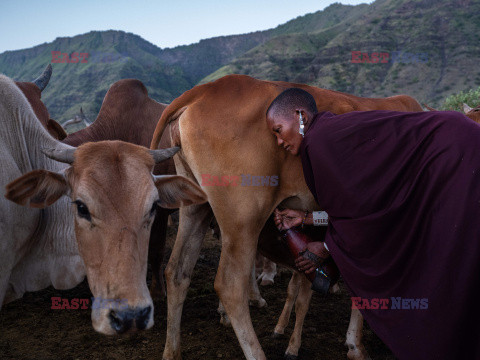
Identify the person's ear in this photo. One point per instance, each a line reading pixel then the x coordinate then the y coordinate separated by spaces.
pixel 302 115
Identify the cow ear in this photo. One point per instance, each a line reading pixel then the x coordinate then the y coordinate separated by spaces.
pixel 37 189
pixel 56 130
pixel 176 191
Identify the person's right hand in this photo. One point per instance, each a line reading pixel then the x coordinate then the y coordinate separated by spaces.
pixel 313 257
pixel 288 218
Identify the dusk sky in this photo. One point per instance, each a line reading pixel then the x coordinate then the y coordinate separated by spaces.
pixel 26 23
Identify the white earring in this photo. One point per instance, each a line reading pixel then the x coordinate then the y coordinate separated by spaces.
pixel 300 131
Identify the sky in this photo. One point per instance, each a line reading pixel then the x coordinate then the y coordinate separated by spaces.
pixel 26 23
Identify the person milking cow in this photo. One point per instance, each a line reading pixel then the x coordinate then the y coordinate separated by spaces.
pixel 402 194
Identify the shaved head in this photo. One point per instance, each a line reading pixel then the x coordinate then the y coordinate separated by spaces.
pixel 286 113
pixel 290 101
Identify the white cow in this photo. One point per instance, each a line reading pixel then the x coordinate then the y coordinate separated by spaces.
pixel 37 247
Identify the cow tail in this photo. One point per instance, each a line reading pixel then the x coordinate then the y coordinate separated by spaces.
pixel 175 109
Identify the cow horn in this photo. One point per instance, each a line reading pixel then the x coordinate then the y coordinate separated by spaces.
pixel 42 80
pixel 164 154
pixel 466 108
pixel 62 153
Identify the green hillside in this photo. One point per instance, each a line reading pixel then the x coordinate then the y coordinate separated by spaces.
pixel 448 32
pixel 315 49
pixel 84 84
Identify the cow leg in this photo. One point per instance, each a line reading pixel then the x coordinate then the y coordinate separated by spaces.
pixel 268 274
pixel 4 277
pixel 194 221
pixel 356 350
pixel 302 303
pixel 254 297
pixel 232 281
pixel 156 250
pixel 224 319
pixel 292 292
pixel 258 264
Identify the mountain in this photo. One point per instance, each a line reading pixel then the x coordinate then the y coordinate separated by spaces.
pixel 442 36
pixel 436 44
pixel 75 85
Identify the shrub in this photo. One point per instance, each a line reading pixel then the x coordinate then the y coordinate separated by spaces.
pixel 455 101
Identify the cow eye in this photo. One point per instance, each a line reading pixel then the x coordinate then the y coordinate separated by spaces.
pixel 154 208
pixel 82 210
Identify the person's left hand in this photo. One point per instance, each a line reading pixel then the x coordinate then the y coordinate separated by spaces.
pixel 288 218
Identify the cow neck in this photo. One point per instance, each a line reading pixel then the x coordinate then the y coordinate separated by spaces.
pixel 53 251
pixel 34 138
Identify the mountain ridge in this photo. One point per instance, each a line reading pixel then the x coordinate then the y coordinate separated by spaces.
pixel 314 48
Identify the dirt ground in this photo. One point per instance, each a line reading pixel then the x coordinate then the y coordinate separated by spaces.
pixel 30 329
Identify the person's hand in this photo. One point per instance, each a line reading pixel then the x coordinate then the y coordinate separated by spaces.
pixel 288 218
pixel 312 257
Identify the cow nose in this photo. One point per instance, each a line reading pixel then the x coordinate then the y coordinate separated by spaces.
pixel 123 320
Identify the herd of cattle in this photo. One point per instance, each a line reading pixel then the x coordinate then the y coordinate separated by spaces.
pixel 119 194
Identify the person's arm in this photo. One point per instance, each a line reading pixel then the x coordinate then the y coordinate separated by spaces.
pixel 288 218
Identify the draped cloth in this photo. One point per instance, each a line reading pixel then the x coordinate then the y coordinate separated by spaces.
pixel 402 191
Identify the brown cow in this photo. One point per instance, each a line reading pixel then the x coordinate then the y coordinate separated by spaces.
pixel 33 93
pixel 129 114
pixel 113 199
pixel 472 113
pixel 221 129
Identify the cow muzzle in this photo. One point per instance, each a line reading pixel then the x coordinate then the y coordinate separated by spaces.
pixel 131 319
pixel 123 320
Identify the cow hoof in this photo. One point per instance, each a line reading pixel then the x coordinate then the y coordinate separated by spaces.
pixel 290 357
pixel 266 282
pixel 357 353
pixel 225 321
pixel 265 279
pixel 257 303
pixel 334 289
pixel 276 335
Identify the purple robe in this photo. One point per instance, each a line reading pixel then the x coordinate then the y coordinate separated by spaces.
pixel 402 191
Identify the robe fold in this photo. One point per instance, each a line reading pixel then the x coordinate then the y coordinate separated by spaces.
pixel 402 191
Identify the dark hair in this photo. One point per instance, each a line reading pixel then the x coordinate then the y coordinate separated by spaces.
pixel 289 100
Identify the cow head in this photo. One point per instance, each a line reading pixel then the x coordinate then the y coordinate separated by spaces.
pixel 472 113
pixel 114 198
pixel 33 93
